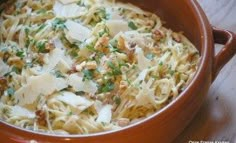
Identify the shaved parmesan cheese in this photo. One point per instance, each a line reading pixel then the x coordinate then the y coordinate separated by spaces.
pixel 143 62
pixel 143 74
pixel 36 86
pixel 116 26
pixel 58 59
pixel 76 31
pixel 105 114
pixel 58 43
pixel 60 83
pixel 98 105
pixel 75 101
pixel 71 10
pixel 78 84
pixel 146 95
pixel 62 66
pixel 21 112
pixel 68 1
pixel 3 68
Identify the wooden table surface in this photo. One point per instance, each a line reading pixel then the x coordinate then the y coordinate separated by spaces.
pixel 216 120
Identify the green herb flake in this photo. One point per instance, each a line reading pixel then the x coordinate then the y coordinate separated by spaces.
pixel 172 72
pixel 160 63
pixel 27 31
pixel 132 25
pixel 115 69
pixel 70 113
pixel 117 100
pixel 88 74
pixel 10 91
pixel 41 46
pixel 58 74
pixel 20 54
pixel 41 27
pixel 58 24
pixel 15 70
pixel 150 56
pixel 107 87
pixel 41 11
pixel 91 47
pixel 102 13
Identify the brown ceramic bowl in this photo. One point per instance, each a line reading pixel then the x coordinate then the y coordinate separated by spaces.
pixel 165 125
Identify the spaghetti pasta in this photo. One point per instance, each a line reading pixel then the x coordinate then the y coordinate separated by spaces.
pixel 87 66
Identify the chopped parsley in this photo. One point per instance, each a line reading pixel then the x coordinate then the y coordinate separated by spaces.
pixel 106 87
pixel 59 74
pixel 20 54
pixel 172 72
pixel 88 74
pixel 41 27
pixel 41 11
pixel 115 69
pixel 40 45
pixel 15 70
pixel 104 31
pixel 132 25
pixel 10 91
pixel 27 31
pixel 150 56
pixel 117 100
pixel 58 24
pixel 70 113
pixel 160 63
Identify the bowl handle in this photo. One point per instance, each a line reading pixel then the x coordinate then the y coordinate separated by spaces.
pixel 228 39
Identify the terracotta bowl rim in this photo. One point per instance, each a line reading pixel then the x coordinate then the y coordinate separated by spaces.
pixel 205 30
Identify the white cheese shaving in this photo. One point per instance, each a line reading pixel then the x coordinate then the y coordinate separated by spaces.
pixel 105 114
pixel 76 31
pixel 143 62
pixel 74 100
pixel 22 112
pixel 146 95
pixel 36 86
pixel 62 66
pixel 78 84
pixel 58 59
pixel 3 68
pixel 71 10
pixel 116 26
pixel 143 74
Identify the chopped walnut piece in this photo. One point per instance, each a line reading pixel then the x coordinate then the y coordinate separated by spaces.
pixel 17 61
pixel 3 85
pixel 80 66
pixel 121 43
pixel 91 65
pixel 176 37
pixel 49 46
pixel 41 117
pixel 102 44
pixel 122 122
pixel 10 9
pixel 157 34
pixel 123 85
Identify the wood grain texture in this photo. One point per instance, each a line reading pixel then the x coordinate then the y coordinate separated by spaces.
pixel 216 120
